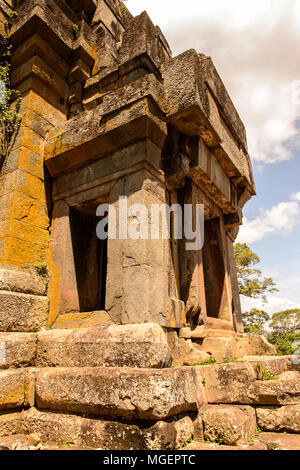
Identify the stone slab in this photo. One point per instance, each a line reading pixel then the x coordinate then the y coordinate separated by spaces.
pixel 227 383
pixel 120 392
pixel 10 423
pixel 17 350
pixel 143 345
pixel 22 312
pixel 279 419
pixel 12 389
pixel 278 441
pixel 229 424
pixel 75 430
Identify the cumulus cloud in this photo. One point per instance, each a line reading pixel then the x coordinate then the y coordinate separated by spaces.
pixel 280 219
pixel 276 303
pixel 254 47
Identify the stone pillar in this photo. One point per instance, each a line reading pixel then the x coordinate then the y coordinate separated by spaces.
pixel 141 284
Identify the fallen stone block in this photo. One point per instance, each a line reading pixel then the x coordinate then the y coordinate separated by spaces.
pixel 227 383
pixel 17 350
pixel 139 393
pixel 277 441
pixel 229 424
pixel 279 419
pixel 10 423
pixel 142 345
pixel 12 389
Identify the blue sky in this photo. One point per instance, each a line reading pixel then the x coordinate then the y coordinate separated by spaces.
pixel 254 45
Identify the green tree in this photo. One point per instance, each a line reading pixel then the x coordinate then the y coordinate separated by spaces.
pixel 251 281
pixel 285 331
pixel 255 321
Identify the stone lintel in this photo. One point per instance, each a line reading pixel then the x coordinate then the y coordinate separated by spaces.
pixel 100 135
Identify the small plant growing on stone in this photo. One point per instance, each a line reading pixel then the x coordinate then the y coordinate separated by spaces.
pixel 257 369
pixel 203 382
pixel 10 99
pixel 219 438
pixel 189 441
pixel 123 9
pixel 268 375
pixel 75 31
pixel 42 270
pixel 208 362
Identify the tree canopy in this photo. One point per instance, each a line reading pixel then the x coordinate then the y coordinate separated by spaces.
pixel 282 328
pixel 251 281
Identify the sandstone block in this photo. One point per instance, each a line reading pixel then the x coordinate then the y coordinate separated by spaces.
pixel 279 419
pixel 140 393
pixel 143 345
pixel 227 383
pixel 229 424
pixel 12 389
pixel 52 427
pixel 277 441
pixel 10 423
pixel 104 434
pixel 189 353
pixel 274 364
pixel 22 312
pixel 256 445
pixel 274 392
pixel 21 280
pixel 17 350
pixel 170 435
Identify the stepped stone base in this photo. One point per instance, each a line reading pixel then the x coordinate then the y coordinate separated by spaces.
pixel 120 389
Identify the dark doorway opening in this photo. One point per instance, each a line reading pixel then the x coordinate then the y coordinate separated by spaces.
pixel 214 269
pixel 90 260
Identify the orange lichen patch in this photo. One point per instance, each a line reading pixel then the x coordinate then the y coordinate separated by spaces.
pixel 28 160
pixel 54 289
pixel 12 387
pixel 24 231
pixel 18 206
pixel 24 182
pixel 38 67
pixel 14 251
pixel 82 320
pixel 30 139
pixel 36 103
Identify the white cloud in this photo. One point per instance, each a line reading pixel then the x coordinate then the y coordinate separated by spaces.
pixel 280 219
pixel 253 45
pixel 275 304
pixel 296 197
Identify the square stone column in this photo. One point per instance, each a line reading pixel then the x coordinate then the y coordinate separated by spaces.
pixel 141 285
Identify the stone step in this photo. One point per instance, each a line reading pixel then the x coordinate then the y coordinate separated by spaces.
pixel 230 345
pixel 17 350
pixel 142 345
pixel 256 445
pixel 274 364
pixel 279 419
pixel 228 424
pixel 65 431
pixel 146 394
pixel 279 441
pixel 235 383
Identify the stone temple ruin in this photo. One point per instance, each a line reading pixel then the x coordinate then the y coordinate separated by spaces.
pixel 103 343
